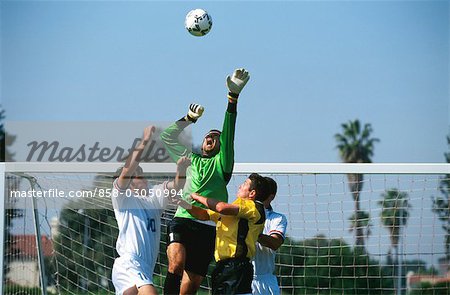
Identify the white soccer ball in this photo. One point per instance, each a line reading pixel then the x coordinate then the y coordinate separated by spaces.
pixel 198 22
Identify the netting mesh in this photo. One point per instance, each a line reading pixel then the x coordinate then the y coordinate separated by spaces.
pixel 381 239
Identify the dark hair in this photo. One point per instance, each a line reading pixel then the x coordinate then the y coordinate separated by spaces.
pixel 272 186
pixel 119 170
pixel 260 185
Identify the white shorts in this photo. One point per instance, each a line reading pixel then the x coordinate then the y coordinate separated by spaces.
pixel 128 272
pixel 265 285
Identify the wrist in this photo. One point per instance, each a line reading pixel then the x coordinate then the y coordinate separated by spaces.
pixel 190 119
pixel 232 97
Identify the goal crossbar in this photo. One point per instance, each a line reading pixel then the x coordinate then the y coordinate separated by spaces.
pixel 244 168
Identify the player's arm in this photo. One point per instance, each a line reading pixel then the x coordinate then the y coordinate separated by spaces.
pixel 217 206
pixel 170 135
pixel 134 158
pixel 273 241
pixel 178 183
pixel 235 84
pixel 197 212
pixel 276 234
pixel 180 177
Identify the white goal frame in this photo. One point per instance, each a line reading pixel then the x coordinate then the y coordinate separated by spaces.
pixel 242 168
pixel 239 168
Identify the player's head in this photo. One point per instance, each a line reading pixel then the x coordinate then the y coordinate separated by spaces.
pixel 271 190
pixel 254 187
pixel 138 181
pixel 211 143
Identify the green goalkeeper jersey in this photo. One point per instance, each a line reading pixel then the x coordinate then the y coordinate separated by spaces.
pixel 206 176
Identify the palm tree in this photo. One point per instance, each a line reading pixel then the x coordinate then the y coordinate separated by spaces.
pixel 364 222
pixel 441 206
pixel 394 215
pixel 356 146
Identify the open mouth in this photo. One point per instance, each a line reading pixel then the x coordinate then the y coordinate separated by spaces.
pixel 209 142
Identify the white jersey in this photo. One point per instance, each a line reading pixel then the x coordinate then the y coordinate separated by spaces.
pixel 264 281
pixel 139 222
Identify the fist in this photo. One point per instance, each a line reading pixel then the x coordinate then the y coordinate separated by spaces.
pixel 195 111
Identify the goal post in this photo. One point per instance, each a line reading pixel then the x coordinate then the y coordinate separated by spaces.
pixel 382 239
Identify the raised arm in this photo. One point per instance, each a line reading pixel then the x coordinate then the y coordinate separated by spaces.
pixel 235 84
pixel 180 177
pixel 170 135
pixel 134 158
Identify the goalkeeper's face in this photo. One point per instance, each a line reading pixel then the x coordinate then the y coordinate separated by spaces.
pixel 211 144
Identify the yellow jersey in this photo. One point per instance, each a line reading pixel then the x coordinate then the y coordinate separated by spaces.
pixel 236 236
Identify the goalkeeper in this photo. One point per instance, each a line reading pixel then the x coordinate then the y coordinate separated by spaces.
pixel 190 241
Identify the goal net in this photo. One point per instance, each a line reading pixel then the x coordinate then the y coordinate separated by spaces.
pixel 352 228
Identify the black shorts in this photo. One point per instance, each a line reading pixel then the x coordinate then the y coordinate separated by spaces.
pixel 198 239
pixel 232 276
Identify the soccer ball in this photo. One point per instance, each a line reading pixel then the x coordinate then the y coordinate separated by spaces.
pixel 198 22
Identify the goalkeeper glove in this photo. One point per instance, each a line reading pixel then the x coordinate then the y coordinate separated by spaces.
pixel 195 111
pixel 236 83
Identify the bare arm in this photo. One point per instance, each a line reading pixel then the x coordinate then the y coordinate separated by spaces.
pixel 217 206
pixel 272 241
pixel 199 213
pixel 180 177
pixel 134 158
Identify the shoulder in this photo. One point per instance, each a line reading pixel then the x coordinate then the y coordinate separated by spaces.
pixel 246 207
pixel 244 202
pixel 276 215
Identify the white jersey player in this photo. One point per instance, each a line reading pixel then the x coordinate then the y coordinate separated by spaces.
pixel 272 237
pixel 138 209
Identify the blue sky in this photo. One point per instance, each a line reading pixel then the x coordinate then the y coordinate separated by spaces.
pixel 313 66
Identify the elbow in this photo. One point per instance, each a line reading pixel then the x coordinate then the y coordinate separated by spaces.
pixel 163 136
pixel 274 247
pixel 198 213
pixel 203 217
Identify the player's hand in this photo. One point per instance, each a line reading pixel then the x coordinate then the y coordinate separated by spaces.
pixel 195 196
pixel 236 82
pixel 148 132
pixel 195 111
